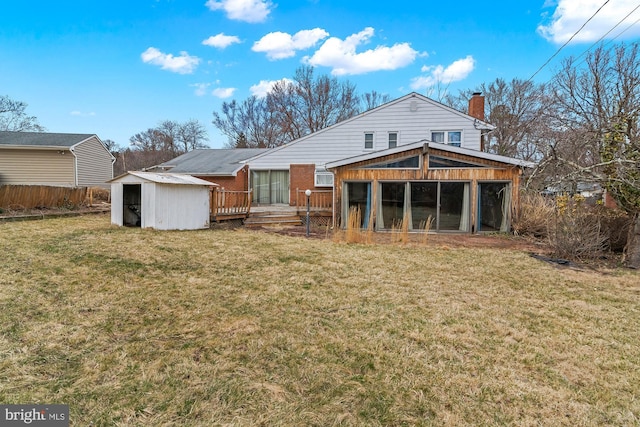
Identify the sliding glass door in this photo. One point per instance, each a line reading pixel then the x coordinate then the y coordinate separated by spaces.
pixel 444 206
pixel 270 187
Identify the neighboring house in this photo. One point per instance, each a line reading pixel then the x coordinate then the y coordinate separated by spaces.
pixel 431 185
pixel 279 174
pixel 56 159
pixel 222 166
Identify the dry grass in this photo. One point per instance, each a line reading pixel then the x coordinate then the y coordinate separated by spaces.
pixel 136 327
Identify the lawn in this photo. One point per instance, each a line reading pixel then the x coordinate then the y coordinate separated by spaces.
pixel 134 327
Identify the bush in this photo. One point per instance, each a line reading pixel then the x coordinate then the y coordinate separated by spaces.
pixel 574 228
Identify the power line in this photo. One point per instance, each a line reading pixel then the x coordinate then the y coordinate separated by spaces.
pixel 613 28
pixel 568 41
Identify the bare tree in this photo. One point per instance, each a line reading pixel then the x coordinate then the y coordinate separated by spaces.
pixel 291 110
pixel 518 109
pixel 597 129
pixel 191 135
pixel 162 143
pixel 373 99
pixel 14 118
pixel 248 124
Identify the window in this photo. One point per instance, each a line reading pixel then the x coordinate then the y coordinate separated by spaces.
pixel 406 163
pixel 368 141
pixel 393 139
pixel 447 137
pixel 323 179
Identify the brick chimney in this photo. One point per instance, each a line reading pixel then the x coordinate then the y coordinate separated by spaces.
pixel 476 106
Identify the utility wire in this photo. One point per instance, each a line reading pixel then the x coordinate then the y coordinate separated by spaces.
pixel 613 28
pixel 568 41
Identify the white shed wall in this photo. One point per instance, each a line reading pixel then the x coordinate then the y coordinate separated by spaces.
pixel 180 207
pixel 413 118
pixel 116 204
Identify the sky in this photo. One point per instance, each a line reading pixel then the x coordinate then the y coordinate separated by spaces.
pixel 119 67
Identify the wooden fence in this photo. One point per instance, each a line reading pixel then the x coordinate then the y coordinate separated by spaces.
pixel 320 200
pixel 41 196
pixel 227 204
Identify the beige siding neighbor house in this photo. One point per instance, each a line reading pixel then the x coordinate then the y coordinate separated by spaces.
pixel 58 159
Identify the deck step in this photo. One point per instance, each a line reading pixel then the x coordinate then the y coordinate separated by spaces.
pixel 264 219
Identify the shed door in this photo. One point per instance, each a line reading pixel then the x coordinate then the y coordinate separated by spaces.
pixel 132 205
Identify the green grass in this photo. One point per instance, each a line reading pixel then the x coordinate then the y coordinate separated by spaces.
pixel 197 328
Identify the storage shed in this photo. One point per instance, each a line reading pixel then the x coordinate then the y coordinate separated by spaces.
pixel 164 201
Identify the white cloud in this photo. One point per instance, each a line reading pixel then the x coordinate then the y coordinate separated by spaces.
pixel 570 15
pixel 342 57
pixel 220 41
pixel 278 45
pixel 457 71
pixel 201 88
pixel 223 92
pixel 182 64
pixel 264 87
pixel 243 10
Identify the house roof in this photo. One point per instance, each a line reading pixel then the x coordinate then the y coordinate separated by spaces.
pixel 215 162
pixel 166 178
pixel 42 140
pixel 479 124
pixel 426 144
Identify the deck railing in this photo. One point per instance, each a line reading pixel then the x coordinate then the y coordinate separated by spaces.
pixel 320 200
pixel 229 204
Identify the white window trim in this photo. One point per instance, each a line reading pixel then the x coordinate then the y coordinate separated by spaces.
pixel 397 138
pixel 318 174
pixel 446 136
pixel 373 141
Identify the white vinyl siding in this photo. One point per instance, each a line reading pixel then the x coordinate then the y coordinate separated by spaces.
pixel 346 139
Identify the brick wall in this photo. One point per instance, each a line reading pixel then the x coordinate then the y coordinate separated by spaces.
pixel 240 182
pixel 300 177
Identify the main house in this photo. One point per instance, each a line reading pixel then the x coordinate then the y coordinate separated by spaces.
pixel 58 159
pixel 412 159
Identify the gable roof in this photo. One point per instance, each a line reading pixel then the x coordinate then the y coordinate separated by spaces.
pixel 166 178
pixel 426 144
pixel 215 162
pixel 479 124
pixel 42 140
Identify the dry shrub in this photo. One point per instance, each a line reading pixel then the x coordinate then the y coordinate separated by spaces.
pixel 425 226
pixel 534 214
pixel 577 230
pixel 354 232
pixel 400 230
pixel 98 195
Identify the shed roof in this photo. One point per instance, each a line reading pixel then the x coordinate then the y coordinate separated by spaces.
pixel 166 178
pixel 430 144
pixel 42 139
pixel 215 162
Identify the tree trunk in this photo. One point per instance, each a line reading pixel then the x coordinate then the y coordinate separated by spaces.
pixel 631 257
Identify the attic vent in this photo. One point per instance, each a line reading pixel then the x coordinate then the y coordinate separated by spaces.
pixel 413 106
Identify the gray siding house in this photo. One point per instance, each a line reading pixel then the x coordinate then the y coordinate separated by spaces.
pixel 57 159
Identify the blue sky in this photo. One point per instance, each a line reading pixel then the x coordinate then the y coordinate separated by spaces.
pixel 119 67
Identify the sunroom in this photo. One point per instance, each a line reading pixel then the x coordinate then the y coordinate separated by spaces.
pixel 428 186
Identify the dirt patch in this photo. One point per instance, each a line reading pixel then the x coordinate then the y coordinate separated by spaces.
pixel 42 213
pixel 500 241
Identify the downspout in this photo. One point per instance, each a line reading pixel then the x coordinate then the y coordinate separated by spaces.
pixel 333 197
pixel 75 167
